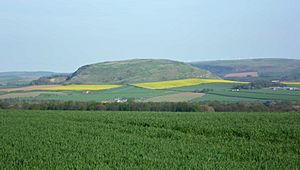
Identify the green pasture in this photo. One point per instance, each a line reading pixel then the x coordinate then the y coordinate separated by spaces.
pixel 148 140
pixel 122 92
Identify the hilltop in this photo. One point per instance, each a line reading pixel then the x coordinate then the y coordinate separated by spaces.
pixel 250 69
pixel 136 71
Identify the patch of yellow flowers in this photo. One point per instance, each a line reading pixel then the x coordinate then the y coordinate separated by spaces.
pixel 83 87
pixel 291 83
pixel 181 83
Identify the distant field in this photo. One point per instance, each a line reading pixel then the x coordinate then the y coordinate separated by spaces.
pixel 28 94
pixel 218 92
pixel 180 83
pixel 227 99
pixel 222 92
pixel 122 92
pixel 177 97
pixel 16 80
pixel 148 140
pixel 294 85
pixel 82 87
pixel 242 74
pixel 260 95
pixel 29 88
pixel 267 69
pixel 61 88
pixel 198 87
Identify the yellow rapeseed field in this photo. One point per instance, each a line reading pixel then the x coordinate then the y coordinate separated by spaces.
pixel 83 87
pixel 291 83
pixel 180 83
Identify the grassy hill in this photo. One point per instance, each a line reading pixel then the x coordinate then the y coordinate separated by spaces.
pixel 281 69
pixel 54 79
pixel 136 71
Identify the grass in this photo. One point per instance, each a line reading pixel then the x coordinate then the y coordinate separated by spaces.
pixel 199 87
pixel 221 92
pixel 259 95
pixel 27 94
pixel 28 88
pixel 294 85
pixel 82 87
pixel 143 140
pixel 136 71
pixel 227 99
pixel 180 83
pixel 176 97
pixel 279 92
pixel 122 92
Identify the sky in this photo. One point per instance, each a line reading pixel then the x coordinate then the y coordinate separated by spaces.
pixel 62 35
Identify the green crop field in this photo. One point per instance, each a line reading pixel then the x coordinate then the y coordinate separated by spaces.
pixel 228 99
pixel 122 92
pixel 222 92
pixel 294 85
pixel 177 97
pixel 217 92
pixel 182 83
pixel 148 140
pixel 259 95
pixel 214 86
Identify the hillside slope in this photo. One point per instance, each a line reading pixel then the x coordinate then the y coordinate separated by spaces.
pixel 281 69
pixel 136 71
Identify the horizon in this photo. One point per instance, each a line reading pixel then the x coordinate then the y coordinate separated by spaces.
pixel 61 36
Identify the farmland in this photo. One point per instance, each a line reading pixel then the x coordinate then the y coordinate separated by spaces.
pixel 103 95
pixel 27 94
pixel 82 87
pixel 146 140
pixel 176 97
pixel 267 69
pixel 180 83
pixel 28 88
pixel 222 92
pixel 258 95
pixel 219 91
pixel 81 95
pixel 292 83
pixel 242 74
pixel 61 88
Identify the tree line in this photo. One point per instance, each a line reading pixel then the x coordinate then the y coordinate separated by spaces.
pixel 153 106
pixel 259 84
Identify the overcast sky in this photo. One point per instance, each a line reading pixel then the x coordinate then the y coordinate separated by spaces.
pixel 61 35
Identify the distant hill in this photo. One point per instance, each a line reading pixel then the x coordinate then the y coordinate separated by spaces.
pixel 21 77
pixel 53 79
pixel 251 69
pixel 26 73
pixel 136 71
